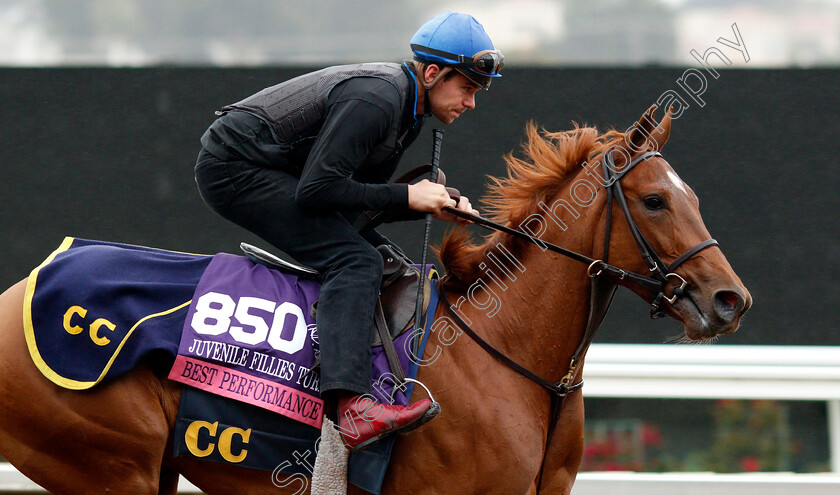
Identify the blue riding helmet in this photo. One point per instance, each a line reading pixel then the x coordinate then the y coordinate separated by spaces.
pixel 458 40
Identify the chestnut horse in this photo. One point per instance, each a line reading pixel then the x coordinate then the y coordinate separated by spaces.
pixel 529 302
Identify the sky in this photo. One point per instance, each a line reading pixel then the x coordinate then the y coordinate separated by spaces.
pixel 794 33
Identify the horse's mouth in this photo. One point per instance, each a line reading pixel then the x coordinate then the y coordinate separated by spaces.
pixel 699 325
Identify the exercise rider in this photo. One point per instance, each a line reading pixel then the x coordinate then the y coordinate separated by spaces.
pixel 298 162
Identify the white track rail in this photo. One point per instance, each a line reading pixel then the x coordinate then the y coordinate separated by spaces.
pixel 720 372
pixel 619 483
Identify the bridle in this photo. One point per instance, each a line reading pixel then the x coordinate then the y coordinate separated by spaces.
pixel 603 287
pixel 661 271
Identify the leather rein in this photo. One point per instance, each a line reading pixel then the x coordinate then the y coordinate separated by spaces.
pixel 603 286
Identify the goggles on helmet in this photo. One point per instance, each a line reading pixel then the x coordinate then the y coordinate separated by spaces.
pixel 487 63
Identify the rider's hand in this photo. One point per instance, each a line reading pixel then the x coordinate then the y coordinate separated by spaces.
pixel 432 198
pixel 428 197
pixel 463 205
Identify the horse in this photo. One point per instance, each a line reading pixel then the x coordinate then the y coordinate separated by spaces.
pixel 514 291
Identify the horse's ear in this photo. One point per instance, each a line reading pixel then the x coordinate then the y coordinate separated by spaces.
pixel 646 133
pixel 641 131
pixel 663 130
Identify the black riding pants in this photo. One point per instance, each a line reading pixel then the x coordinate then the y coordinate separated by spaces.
pixel 263 201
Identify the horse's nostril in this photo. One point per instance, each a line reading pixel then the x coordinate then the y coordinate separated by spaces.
pixel 727 303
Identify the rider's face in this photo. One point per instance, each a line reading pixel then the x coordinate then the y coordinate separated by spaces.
pixel 451 97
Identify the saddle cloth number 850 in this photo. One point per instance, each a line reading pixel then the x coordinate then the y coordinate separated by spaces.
pixel 214 311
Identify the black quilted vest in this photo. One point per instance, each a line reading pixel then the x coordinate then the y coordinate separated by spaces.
pixel 296 109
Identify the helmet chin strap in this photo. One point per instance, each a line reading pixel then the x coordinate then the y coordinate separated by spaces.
pixel 427 108
pixel 427 104
pixel 418 74
pixel 429 85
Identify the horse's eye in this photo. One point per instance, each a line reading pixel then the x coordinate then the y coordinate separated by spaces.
pixel 654 203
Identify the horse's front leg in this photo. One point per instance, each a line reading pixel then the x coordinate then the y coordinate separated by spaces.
pixel 561 462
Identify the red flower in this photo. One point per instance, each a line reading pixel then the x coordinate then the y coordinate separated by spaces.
pixel 614 466
pixel 651 435
pixel 750 464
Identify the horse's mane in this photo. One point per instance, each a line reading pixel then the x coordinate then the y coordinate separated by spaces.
pixel 550 160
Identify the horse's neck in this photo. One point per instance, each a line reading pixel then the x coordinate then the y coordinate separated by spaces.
pixel 534 307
